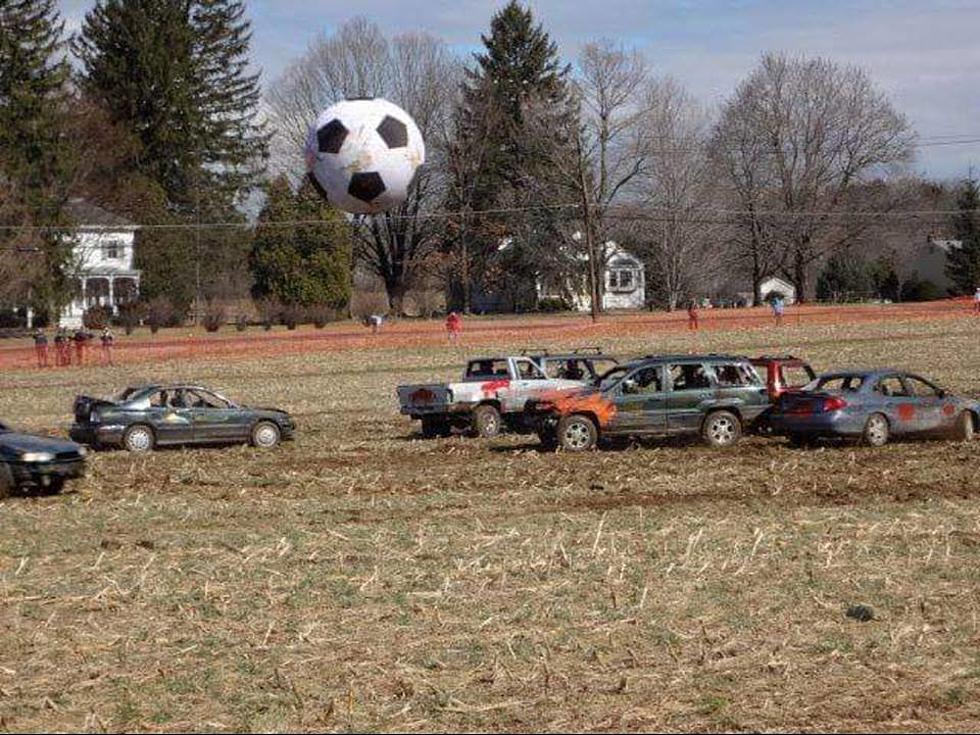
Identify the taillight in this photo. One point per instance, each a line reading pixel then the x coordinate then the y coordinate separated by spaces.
pixel 834 403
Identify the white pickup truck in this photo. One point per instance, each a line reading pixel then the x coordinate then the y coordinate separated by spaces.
pixel 493 390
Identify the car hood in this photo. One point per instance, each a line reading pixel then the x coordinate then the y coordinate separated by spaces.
pixel 17 442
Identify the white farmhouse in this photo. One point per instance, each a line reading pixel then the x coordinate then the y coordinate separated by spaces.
pixel 102 261
pixel 624 283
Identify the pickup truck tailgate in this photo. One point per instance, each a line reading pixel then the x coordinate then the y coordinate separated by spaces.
pixel 424 398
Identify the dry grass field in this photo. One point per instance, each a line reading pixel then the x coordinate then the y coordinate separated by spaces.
pixel 361 578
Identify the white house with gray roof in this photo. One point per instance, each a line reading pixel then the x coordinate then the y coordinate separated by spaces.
pixel 101 263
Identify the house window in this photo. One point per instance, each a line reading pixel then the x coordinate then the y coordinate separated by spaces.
pixel 622 279
pixel 112 251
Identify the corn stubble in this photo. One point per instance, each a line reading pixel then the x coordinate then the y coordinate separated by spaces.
pixel 363 578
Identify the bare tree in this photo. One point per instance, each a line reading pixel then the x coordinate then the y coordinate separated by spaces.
pixel 796 138
pixel 681 246
pixel 417 72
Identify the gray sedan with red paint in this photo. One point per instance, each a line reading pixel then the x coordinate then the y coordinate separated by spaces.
pixel 873 405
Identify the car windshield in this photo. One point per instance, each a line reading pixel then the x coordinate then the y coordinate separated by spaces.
pixel 611 377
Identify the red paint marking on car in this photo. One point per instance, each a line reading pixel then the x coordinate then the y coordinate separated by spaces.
pixel 423 395
pixel 906 411
pixel 567 402
pixel 492 386
pixel 949 409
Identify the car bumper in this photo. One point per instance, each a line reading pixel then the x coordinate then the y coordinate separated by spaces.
pixel 44 474
pixel 97 435
pixel 828 424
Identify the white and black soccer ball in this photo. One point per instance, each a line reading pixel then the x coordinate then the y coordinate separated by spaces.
pixel 362 154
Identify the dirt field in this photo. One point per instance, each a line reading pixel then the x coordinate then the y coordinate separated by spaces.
pixel 361 578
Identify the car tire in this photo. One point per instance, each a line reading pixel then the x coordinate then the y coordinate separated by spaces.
pixel 964 427
pixel 721 429
pixel 577 433
pixel 876 430
pixel 139 438
pixel 486 421
pixel 435 426
pixel 7 484
pixel 265 435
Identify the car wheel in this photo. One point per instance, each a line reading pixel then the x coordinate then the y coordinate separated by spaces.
pixel 721 429
pixel 139 438
pixel 265 435
pixel 875 430
pixel 7 485
pixel 434 426
pixel 577 433
pixel 964 427
pixel 486 421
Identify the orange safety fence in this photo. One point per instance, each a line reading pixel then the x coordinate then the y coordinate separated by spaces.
pixel 19 354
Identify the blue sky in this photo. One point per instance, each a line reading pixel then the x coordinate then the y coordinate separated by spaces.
pixel 925 55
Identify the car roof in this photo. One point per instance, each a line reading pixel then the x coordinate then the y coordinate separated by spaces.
pixel 140 389
pixel 864 374
pixel 683 358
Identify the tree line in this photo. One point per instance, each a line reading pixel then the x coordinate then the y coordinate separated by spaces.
pixel 535 164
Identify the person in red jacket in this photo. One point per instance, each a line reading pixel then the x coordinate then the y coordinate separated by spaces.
pixel 692 315
pixel 454 325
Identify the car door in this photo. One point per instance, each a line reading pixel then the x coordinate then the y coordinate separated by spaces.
pixel 928 404
pixel 528 378
pixel 738 384
pixel 690 392
pixel 214 418
pixel 641 403
pixel 890 395
pixel 170 417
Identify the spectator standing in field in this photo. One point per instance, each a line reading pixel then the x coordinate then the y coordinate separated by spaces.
pixel 692 316
pixel 454 325
pixel 80 338
pixel 41 347
pixel 976 301
pixel 375 320
pixel 778 306
pixel 61 347
pixel 107 339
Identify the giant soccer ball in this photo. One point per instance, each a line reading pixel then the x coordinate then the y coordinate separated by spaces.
pixel 361 154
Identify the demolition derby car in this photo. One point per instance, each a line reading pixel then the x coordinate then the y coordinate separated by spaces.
pixel 714 396
pixel 873 405
pixel 38 462
pixel 493 390
pixel 143 417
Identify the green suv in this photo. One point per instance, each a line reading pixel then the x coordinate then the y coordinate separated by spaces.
pixel 716 396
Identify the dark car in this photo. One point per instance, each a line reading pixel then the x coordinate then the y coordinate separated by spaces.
pixel 143 417
pixel 716 396
pixel 40 462
pixel 873 405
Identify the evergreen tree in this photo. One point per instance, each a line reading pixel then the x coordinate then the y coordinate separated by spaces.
pixel 175 73
pixel 36 157
pixel 963 263
pixel 234 145
pixel 301 264
pixel 514 106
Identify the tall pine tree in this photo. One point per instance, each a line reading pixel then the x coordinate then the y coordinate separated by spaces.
pixel 514 105
pixel 175 73
pixel 35 153
pixel 963 263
